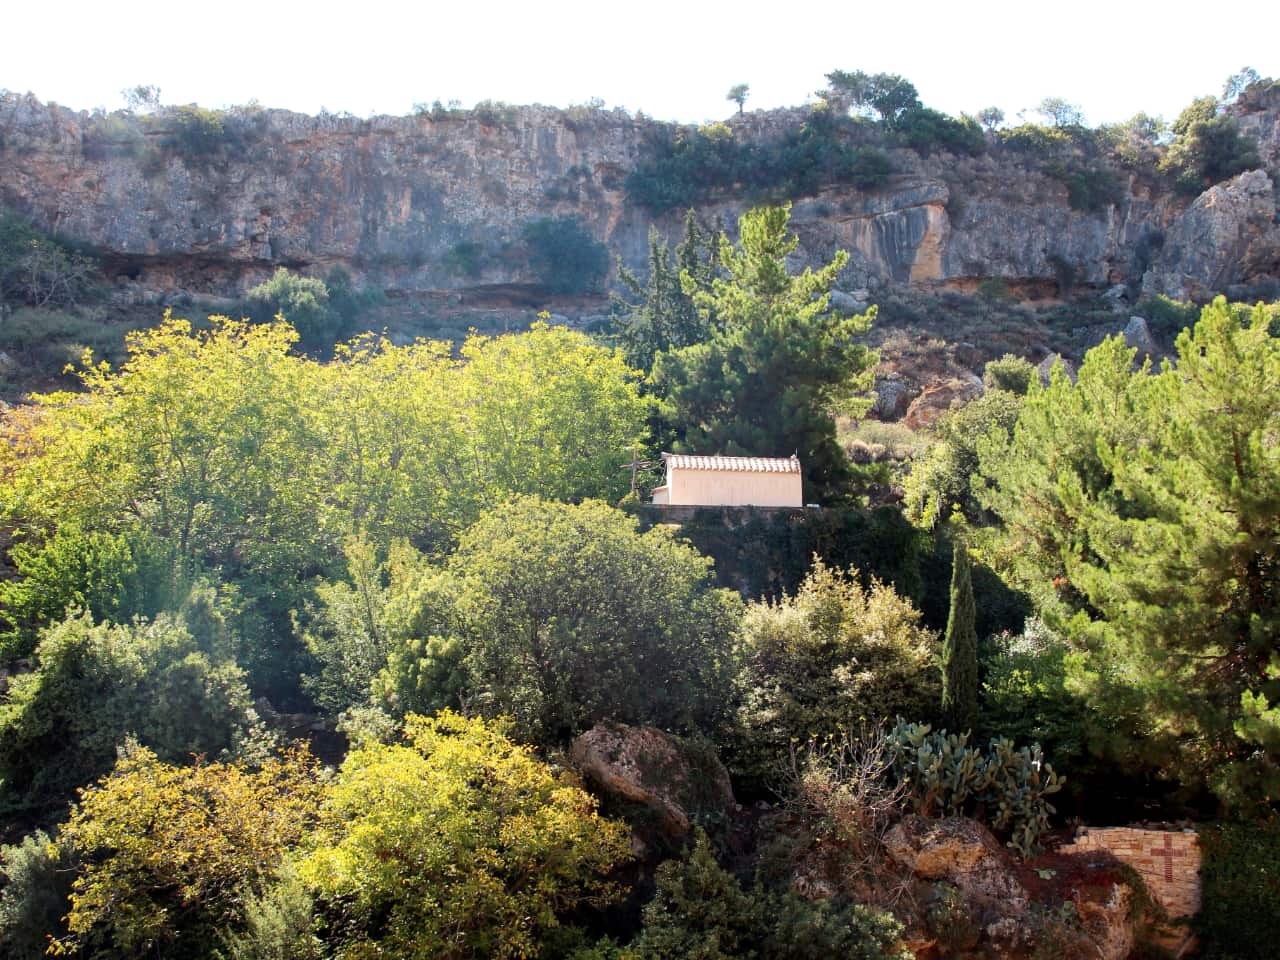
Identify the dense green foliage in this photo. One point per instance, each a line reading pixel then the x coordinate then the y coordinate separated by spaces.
pixel 1207 147
pixel 1025 698
pixel 564 256
pixel 826 660
pixel 665 317
pixel 303 301
pixel 94 686
pixel 251 464
pixel 110 576
pixel 1141 513
pixel 643 636
pixel 1240 888
pixel 460 844
pixel 33 900
pixel 960 648
pixel 701 912
pixel 939 484
pixel 690 166
pixel 778 364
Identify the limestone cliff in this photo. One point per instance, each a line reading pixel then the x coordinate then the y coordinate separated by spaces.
pixel 397 199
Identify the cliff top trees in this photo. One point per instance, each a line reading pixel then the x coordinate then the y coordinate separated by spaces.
pixel 779 360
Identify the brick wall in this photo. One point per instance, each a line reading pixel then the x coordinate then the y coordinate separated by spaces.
pixel 1168 860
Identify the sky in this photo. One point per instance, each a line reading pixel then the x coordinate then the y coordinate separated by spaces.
pixel 673 60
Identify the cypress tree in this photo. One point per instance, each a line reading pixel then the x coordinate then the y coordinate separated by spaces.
pixel 960 649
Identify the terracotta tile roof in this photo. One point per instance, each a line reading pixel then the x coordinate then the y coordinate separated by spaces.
pixel 682 461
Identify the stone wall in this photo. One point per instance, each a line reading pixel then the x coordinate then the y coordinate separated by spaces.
pixel 1168 860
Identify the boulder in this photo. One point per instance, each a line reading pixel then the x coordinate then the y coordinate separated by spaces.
pixel 962 852
pixel 1229 234
pixel 1138 335
pixel 1017 916
pixel 893 396
pixel 849 302
pixel 643 765
pixel 939 397
pixel 1045 367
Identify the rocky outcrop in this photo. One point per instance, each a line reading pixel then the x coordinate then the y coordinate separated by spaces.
pixel 642 765
pixel 1079 909
pixel 939 397
pixel 436 203
pixel 1227 236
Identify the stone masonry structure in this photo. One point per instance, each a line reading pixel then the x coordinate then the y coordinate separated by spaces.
pixel 1168 860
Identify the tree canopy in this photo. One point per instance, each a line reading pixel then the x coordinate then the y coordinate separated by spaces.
pixel 1143 512
pixel 644 636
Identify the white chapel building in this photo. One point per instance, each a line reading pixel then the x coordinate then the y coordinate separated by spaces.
pixel 730 482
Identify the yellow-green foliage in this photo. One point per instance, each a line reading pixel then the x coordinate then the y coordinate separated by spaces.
pixel 834 654
pixel 220 436
pixel 169 853
pixel 250 460
pixel 460 844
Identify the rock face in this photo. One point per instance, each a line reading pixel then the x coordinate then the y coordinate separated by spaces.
pixel 1227 236
pixel 437 203
pixel 648 767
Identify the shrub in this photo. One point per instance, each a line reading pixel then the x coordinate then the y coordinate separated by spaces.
pixel 564 256
pixel 1025 697
pixel 494 113
pixel 510 846
pixel 194 131
pixel 94 685
pixel 114 577
pixel 1240 877
pixel 641 637
pixel 691 166
pixel 38 271
pixel 279 924
pixel 1168 317
pixel 1207 147
pixel 465 258
pixel 1090 187
pixel 33 899
pixel 700 912
pixel 303 301
pixel 1009 373
pixel 171 853
pixel 924 130
pixel 827 658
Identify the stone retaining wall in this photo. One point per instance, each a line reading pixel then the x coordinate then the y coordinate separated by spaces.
pixel 1168 860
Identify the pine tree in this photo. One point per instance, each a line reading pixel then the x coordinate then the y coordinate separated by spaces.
pixel 664 318
pixel 960 649
pixel 779 362
pixel 1143 513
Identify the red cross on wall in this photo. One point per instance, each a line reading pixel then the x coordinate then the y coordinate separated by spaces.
pixel 1167 853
